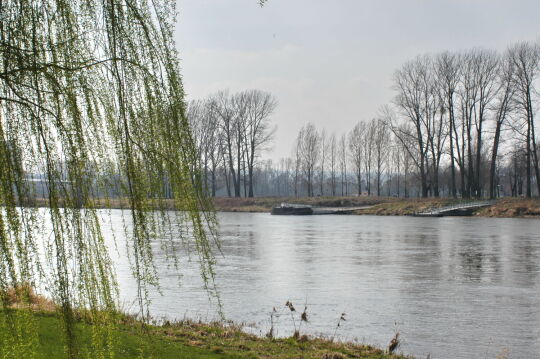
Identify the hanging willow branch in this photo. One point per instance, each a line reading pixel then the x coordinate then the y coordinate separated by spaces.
pixel 91 104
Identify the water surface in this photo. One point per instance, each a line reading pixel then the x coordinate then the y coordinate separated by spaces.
pixel 454 287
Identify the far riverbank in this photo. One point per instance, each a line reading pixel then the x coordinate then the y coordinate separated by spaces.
pixel 507 207
pixel 383 206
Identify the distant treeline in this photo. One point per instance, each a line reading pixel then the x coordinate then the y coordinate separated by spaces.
pixel 461 124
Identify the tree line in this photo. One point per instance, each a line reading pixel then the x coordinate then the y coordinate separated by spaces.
pixel 471 114
pixel 231 131
pixel 461 124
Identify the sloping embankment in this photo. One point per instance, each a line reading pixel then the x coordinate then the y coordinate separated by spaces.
pixel 180 340
pixel 383 206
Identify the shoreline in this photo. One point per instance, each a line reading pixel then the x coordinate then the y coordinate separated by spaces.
pixel 193 340
pixel 178 339
pixel 507 207
pixel 384 206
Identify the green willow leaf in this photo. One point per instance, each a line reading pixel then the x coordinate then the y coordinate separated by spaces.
pixel 91 108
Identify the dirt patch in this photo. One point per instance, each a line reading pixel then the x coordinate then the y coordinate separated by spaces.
pixel 513 207
pixel 24 296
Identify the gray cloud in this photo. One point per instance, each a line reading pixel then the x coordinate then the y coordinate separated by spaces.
pixel 331 62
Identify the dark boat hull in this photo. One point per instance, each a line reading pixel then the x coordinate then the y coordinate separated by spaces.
pixel 301 211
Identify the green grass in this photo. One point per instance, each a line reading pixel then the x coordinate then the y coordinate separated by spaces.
pixel 130 342
pixel 195 340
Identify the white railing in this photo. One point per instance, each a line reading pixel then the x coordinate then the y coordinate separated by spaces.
pixel 460 205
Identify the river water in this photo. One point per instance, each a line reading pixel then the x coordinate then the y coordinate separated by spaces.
pixel 454 287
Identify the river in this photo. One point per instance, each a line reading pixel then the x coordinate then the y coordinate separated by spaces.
pixel 454 287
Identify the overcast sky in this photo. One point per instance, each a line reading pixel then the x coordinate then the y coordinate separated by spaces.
pixel 331 61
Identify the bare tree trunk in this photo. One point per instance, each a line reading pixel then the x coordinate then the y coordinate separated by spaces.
pixel 493 163
pixel 505 98
pixel 528 157
pixel 526 58
pixel 534 149
pixel 250 178
pixel 478 184
pixel 324 147
pixel 470 169
pixel 452 165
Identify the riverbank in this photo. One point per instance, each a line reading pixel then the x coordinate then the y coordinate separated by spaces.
pixel 384 206
pixel 379 206
pixel 192 340
pixel 184 339
pixel 265 204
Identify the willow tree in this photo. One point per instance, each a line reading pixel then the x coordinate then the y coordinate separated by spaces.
pixel 90 98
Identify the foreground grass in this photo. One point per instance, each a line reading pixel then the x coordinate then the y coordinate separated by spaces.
pixel 196 340
pixel 129 343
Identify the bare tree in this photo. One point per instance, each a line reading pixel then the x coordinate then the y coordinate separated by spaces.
pixel 381 137
pixel 397 158
pixel 356 149
pixel 447 69
pixel 203 121
pixel 332 143
pixel 478 88
pixel 324 154
pixel 258 130
pixel 240 105
pixel 367 149
pixel 194 114
pixel 406 171
pixel 311 147
pixel 502 108
pixel 404 136
pixel 343 163
pixel 414 91
pixel 431 142
pixel 485 68
pixel 297 161
pixel 525 58
pixel 230 129
pixel 308 147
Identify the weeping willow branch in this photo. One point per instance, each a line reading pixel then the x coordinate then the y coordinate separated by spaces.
pixel 92 104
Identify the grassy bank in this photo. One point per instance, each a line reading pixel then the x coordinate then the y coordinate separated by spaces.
pixel 513 207
pixel 196 340
pixel 502 208
pixel 184 339
pixel 265 204
pixel 383 206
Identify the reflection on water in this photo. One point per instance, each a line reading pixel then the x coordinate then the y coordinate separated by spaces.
pixel 453 287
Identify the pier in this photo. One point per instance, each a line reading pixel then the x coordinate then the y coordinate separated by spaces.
pixel 302 210
pixel 459 209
